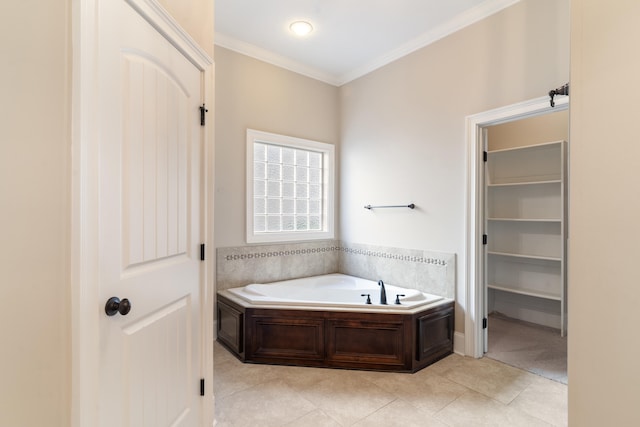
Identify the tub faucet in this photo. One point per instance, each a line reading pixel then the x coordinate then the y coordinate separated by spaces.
pixel 383 293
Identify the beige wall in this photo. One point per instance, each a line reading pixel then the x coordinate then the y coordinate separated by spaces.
pixel 403 126
pixel 34 197
pixel 531 131
pixel 604 226
pixel 196 17
pixel 254 94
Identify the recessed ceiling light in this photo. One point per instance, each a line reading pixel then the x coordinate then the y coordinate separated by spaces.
pixel 301 28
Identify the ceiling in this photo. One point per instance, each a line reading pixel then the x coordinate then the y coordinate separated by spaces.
pixel 351 37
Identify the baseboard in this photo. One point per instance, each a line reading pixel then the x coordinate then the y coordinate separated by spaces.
pixel 534 310
pixel 458 343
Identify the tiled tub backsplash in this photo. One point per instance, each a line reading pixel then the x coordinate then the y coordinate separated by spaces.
pixel 240 266
pixel 427 271
pixel 432 272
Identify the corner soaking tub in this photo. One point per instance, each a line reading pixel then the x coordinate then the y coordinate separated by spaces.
pixel 333 290
pixel 324 321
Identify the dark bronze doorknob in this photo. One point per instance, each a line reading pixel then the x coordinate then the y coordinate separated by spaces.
pixel 115 305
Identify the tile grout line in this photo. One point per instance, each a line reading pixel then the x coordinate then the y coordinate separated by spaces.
pixel 530 414
pixel 435 415
pixel 304 415
pixel 380 408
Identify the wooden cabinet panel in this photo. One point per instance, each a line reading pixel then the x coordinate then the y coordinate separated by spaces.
pixel 435 335
pixel 230 327
pixel 365 342
pixel 286 338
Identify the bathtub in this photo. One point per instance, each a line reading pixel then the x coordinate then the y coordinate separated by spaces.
pixel 332 290
pixel 323 321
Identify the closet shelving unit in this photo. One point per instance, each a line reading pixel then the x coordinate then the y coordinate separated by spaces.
pixel 526 222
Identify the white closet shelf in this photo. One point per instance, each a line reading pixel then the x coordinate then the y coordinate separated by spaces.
pixel 528 292
pixel 511 184
pixel 536 257
pixel 526 148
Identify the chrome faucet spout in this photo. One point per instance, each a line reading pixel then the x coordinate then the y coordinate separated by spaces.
pixel 383 293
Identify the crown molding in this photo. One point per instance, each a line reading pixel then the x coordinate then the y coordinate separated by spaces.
pixel 270 57
pixel 471 16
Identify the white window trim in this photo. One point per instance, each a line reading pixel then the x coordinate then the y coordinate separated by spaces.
pixel 328 186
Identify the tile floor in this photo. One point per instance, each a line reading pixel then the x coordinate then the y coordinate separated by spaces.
pixel 531 347
pixel 456 391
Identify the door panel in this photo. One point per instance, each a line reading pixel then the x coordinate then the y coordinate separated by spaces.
pixel 149 226
pixel 159 399
pixel 155 137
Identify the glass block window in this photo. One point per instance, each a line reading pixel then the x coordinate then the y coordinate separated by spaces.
pixel 289 188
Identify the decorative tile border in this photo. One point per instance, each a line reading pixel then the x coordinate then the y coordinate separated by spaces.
pixel 271 254
pixel 345 249
pixel 395 256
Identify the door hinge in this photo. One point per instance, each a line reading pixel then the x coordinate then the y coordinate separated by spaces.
pixel 485 156
pixel 203 110
pixel 202 252
pixel 484 324
pixel 202 387
pixel 484 239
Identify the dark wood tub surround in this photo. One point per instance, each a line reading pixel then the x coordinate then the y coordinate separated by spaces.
pixel 336 339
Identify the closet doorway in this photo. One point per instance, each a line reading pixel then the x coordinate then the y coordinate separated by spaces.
pixel 524 242
pixel 477 320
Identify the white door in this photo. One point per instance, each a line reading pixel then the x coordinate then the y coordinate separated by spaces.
pixel 149 158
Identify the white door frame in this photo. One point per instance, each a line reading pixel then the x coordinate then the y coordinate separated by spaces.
pixel 474 301
pixel 86 308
